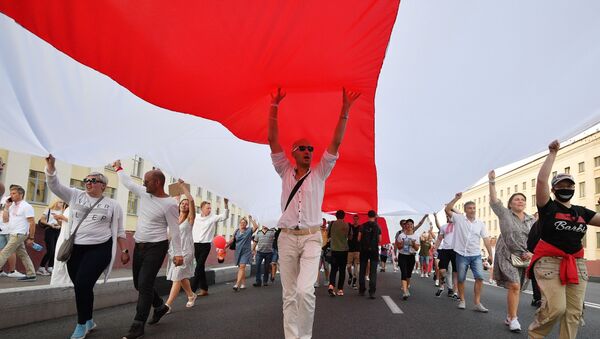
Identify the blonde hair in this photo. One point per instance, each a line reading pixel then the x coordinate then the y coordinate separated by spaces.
pixel 244 219
pixel 54 204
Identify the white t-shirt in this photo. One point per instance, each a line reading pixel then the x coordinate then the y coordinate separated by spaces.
pixel 448 237
pixel 467 235
pixel 204 227
pixel 18 214
pixel 407 248
pixel 154 216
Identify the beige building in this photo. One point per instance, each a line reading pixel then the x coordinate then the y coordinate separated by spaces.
pixel 28 171
pixel 580 158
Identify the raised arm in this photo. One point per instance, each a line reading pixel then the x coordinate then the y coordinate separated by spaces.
pixel 421 222
pixel 136 189
pixel 223 216
pixel 254 224
pixel 542 189
pixel 492 185
pixel 437 222
pixel 348 99
pixel 63 192
pixel 273 135
pixel 192 214
pixel 450 206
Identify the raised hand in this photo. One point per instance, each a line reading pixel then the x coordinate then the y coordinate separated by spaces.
pixel 458 195
pixel 277 97
pixel 51 163
pixel 554 146
pixel 116 164
pixel 492 175
pixel 348 98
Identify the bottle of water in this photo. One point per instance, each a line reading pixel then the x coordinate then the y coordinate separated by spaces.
pixel 37 247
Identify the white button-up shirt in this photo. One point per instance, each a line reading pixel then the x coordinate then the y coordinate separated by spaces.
pixel 467 235
pixel 305 208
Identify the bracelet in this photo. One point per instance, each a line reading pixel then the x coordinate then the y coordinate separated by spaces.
pixel 274 105
pixel 492 182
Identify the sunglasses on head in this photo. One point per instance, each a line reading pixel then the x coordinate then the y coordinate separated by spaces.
pixel 303 148
pixel 92 181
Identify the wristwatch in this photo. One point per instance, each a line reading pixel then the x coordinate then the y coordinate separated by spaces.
pixel 126 251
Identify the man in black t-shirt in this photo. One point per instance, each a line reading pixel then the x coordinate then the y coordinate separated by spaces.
pixel 369 238
pixel 353 251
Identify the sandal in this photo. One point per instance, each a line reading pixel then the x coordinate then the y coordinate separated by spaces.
pixel 340 292
pixel 191 301
pixel 330 291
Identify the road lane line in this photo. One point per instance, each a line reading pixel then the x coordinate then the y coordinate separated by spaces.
pixel 392 305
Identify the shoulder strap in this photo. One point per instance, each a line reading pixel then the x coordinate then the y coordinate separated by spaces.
pixel 86 214
pixel 294 190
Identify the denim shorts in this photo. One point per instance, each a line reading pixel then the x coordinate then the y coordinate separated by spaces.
pixel 3 240
pixel 275 256
pixel 463 263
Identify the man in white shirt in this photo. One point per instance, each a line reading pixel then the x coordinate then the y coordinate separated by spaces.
pixel 19 216
pixel 445 248
pixel 203 233
pixel 468 234
pixel 157 211
pixel 300 240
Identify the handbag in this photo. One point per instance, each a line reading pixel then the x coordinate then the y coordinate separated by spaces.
pixel 41 224
pixel 232 245
pixel 66 248
pixel 516 261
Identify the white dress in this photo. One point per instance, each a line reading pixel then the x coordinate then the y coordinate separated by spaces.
pixel 60 276
pixel 185 271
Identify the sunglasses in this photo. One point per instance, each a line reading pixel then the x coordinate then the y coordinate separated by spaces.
pixel 92 181
pixel 303 148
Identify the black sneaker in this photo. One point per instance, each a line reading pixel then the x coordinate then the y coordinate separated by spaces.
pixel 361 293
pixel 257 284
pixel 450 293
pixel 266 284
pixel 536 303
pixel 331 292
pixel 27 278
pixel 159 313
pixel 353 282
pixel 371 295
pixel 439 292
pixel 135 331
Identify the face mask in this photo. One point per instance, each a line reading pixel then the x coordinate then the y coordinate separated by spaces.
pixel 564 195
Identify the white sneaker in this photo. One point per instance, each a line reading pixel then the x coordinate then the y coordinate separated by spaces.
pixel 3 274
pixel 480 308
pixel 422 275
pixel 367 278
pixel 316 285
pixel 514 325
pixel 242 287
pixel 16 274
pixel 42 271
pixel 426 275
pixel 437 282
pixel 50 269
pixel 462 305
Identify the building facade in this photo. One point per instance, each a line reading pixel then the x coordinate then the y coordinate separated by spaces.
pixel 581 159
pixel 28 171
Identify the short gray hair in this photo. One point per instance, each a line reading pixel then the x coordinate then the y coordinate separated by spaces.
pixel 100 176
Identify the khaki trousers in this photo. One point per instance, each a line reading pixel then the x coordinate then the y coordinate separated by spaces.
pixel 562 303
pixel 16 244
pixel 298 266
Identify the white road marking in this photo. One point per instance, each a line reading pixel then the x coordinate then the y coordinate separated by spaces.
pixel 587 303
pixel 392 305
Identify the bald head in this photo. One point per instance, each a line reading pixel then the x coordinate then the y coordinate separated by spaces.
pixel 302 151
pixel 158 176
pixel 154 181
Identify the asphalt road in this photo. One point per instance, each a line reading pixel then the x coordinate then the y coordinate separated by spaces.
pixel 256 313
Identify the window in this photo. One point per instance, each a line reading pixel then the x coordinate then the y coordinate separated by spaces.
pixel 138 163
pixel 582 189
pixel 533 201
pixel 36 187
pixel 568 170
pixel 208 195
pixel 597 239
pixel 484 198
pixel 532 183
pixel 597 161
pixel 110 192
pixel 479 212
pixel 554 174
pixel 597 181
pixel 198 211
pixel 524 185
pixel 199 193
pixel 508 191
pixel 581 167
pixel 77 184
pixel 516 188
pixel 132 204
pixel 501 193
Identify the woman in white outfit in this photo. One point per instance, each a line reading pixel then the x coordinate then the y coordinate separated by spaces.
pixel 60 276
pixel 180 275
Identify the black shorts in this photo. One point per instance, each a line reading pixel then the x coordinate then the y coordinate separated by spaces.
pixel 383 258
pixel 446 257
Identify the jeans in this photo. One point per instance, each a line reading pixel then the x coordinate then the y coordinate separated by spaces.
pixel 85 266
pixel 365 256
pixel 147 260
pixel 201 252
pixel 267 257
pixel 464 262
pixel 50 238
pixel 338 265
